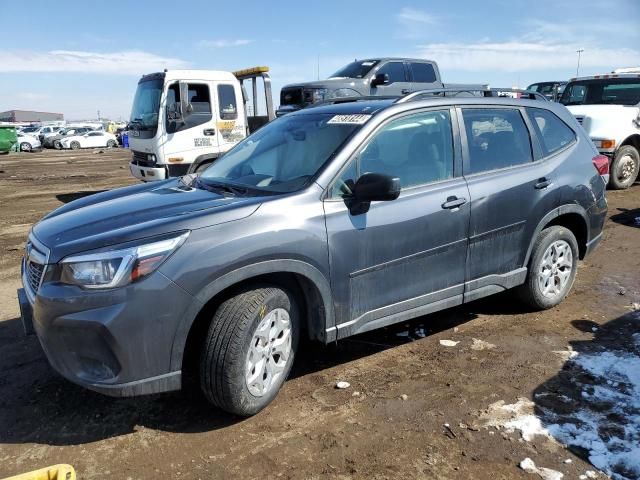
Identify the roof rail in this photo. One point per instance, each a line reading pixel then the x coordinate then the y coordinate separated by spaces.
pixel 484 92
pixel 363 98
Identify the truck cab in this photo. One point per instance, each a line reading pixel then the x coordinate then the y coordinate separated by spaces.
pixel 608 108
pixel 183 120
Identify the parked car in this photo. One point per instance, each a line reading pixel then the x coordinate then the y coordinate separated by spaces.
pixel 89 140
pixel 27 142
pixel 608 108
pixel 53 141
pixel 551 90
pixel 370 77
pixel 327 222
pixel 49 131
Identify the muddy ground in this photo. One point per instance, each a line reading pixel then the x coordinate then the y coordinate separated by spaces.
pixel 390 423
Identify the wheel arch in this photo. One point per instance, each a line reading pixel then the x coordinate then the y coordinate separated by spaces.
pixel 633 140
pixel 296 275
pixel 573 217
pixel 202 160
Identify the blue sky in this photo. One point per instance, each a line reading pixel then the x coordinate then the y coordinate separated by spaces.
pixel 80 57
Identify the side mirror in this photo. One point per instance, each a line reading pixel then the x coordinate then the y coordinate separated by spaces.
pixel 380 79
pixel 372 187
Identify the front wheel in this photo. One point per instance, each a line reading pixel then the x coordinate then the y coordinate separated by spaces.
pixel 624 168
pixel 25 147
pixel 552 269
pixel 74 145
pixel 111 143
pixel 249 350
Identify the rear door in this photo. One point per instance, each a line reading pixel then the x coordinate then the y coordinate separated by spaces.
pixel 423 76
pixel 511 190
pixel 407 255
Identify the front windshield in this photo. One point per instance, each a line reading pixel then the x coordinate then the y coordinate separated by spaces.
pixel 284 155
pixel 146 105
pixel 355 69
pixel 616 91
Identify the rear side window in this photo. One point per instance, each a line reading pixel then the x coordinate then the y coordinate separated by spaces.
pixel 423 73
pixel 227 100
pixel 554 133
pixel 395 70
pixel 497 138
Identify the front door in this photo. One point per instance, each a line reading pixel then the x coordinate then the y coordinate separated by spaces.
pixel 510 193
pixel 403 257
pixel 199 134
pixel 398 81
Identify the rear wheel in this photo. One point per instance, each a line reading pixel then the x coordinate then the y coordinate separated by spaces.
pixel 249 350
pixel 74 145
pixel 25 147
pixel 624 168
pixel 552 269
pixel 57 145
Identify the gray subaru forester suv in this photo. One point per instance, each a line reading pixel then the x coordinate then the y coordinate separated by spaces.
pixel 325 223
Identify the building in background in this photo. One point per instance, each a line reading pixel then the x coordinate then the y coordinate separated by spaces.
pixel 28 116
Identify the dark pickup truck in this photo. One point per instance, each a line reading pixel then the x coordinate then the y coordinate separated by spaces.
pixel 385 77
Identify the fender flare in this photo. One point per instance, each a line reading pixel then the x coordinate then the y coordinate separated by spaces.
pixel 247 272
pixel 553 214
pixel 206 158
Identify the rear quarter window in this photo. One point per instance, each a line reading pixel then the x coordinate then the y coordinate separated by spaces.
pixel 554 134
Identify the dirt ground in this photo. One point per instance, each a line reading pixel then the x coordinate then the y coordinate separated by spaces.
pixel 415 408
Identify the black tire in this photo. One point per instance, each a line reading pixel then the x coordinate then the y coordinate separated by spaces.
pixel 530 292
pixel 74 145
pixel 25 147
pixel 225 351
pixel 624 168
pixel 111 143
pixel 57 145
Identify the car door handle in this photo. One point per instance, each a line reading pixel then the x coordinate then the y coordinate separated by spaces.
pixel 542 183
pixel 209 132
pixel 404 91
pixel 453 202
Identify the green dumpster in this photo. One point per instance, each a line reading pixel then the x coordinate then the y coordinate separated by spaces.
pixel 7 138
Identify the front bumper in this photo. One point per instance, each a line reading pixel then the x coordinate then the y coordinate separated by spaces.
pixel 117 342
pixel 147 174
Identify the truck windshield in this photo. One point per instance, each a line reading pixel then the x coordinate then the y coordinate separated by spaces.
pixel 285 155
pixel 616 91
pixel 355 69
pixel 146 105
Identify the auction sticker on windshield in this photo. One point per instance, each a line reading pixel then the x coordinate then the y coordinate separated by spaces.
pixel 356 119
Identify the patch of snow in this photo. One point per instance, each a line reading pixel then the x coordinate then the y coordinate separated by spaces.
pixel 529 466
pixel 448 343
pixel 481 345
pixel 343 385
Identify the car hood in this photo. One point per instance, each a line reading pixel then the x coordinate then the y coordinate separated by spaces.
pixel 131 213
pixel 331 83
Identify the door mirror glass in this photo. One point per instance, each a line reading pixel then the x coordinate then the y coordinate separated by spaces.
pixel 380 79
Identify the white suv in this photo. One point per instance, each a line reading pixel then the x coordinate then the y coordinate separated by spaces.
pixel 608 108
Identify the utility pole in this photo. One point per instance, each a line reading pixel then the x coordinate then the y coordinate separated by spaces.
pixel 579 51
pixel 98 115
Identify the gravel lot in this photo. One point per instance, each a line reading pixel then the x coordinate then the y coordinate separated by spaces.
pixel 415 408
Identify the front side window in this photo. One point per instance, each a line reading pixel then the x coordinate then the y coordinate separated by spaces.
pixel 355 69
pixel 227 101
pixel 199 98
pixel 284 155
pixel 395 70
pixel 553 132
pixel 497 138
pixel 423 72
pixel 417 148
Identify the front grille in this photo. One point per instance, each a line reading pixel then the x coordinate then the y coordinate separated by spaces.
pixel 35 263
pixel 34 275
pixel 140 158
pixel 580 118
pixel 291 96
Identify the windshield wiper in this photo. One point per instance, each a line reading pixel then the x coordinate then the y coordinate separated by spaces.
pixel 218 187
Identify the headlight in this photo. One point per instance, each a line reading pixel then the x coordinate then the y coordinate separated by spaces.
pixel 151 158
pixel 115 268
pixel 318 94
pixel 342 93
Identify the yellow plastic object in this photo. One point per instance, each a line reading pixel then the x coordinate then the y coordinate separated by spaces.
pixel 55 472
pixel 251 71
